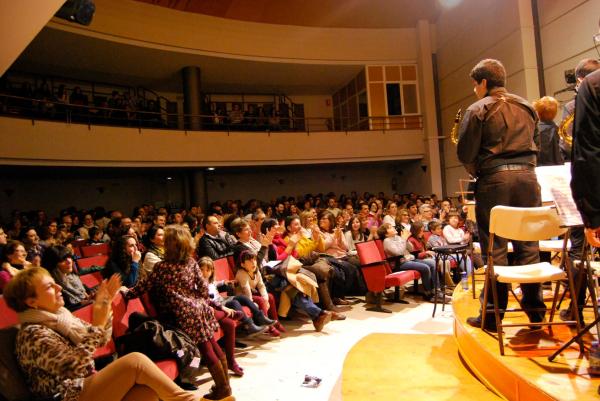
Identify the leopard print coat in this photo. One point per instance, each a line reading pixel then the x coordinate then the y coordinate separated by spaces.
pixel 52 364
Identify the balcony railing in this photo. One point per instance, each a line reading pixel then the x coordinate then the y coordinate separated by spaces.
pixel 42 109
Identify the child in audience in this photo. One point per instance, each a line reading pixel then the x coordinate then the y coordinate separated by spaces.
pixel 453 233
pixel 225 316
pixel 437 239
pixel 253 325
pixel 250 282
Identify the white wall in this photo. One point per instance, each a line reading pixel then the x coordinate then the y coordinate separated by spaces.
pixel 468 33
pixel 567 27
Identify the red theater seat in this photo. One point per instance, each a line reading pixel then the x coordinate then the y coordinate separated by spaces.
pixel 378 273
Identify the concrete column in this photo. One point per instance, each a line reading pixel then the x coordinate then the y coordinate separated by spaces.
pixel 431 163
pixel 197 188
pixel 528 52
pixel 192 97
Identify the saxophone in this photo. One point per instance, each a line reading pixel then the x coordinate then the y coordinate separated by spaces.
pixel 454 131
pixel 563 132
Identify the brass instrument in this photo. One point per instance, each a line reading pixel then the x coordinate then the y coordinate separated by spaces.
pixel 454 131
pixel 563 130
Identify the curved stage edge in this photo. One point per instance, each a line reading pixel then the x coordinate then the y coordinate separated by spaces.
pixel 524 372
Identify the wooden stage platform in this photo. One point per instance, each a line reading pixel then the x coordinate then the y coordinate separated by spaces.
pixel 524 372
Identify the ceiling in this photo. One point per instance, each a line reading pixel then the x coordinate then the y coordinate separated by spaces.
pixel 64 54
pixel 316 13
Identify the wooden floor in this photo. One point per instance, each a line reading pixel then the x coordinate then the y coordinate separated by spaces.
pixel 524 372
pixel 388 366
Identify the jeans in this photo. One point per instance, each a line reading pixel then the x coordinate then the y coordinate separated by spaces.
pixel 427 271
pixel 240 300
pixel 304 303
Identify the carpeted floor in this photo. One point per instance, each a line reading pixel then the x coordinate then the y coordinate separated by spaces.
pixel 409 367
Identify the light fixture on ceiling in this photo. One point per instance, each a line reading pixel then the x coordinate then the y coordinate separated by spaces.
pixel 210 169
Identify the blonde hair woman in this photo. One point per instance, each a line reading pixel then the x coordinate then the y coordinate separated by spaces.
pixel 55 349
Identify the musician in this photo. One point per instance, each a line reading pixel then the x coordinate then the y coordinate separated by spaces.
pixel 585 67
pixel 497 144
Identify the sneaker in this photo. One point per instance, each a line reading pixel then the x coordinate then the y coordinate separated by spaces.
pixel 476 322
pixel 322 320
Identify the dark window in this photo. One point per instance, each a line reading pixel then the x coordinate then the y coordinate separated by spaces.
pixel 393 99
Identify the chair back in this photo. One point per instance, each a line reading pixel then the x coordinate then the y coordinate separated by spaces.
pixel 91 280
pixel 222 270
pixel 368 252
pixel 383 256
pixel 86 263
pixel 93 250
pixel 525 223
pixel 8 317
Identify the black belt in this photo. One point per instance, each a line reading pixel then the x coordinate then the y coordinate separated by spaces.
pixel 507 167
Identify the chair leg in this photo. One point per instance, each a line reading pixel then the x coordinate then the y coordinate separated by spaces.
pixel 574 305
pixel 397 296
pixel 486 288
pixel 378 304
pixel 497 314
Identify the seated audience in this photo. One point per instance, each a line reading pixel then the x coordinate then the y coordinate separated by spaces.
pixel 155 241
pixel 13 261
pixel 228 310
pixel 55 349
pixel 354 234
pixel 397 246
pixel 180 295
pixel 124 260
pixel 59 262
pixel 453 233
pixel 214 243
pixel 31 241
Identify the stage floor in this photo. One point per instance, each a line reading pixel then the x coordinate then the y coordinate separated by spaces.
pixel 524 372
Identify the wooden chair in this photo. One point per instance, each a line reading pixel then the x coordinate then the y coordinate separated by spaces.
pixel 378 274
pixel 525 224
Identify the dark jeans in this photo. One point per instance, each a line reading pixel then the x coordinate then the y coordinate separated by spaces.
pixel 576 236
pixel 517 188
pixel 240 300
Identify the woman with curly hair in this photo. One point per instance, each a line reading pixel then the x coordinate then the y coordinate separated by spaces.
pixel 180 294
pixel 124 260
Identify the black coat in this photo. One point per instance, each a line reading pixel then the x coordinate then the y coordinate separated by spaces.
pixel 585 165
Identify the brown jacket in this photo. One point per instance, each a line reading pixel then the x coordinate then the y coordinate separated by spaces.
pixel 499 129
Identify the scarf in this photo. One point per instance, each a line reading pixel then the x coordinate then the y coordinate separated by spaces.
pixel 158 251
pixel 63 322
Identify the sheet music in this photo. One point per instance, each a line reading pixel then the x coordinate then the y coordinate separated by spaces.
pixel 555 184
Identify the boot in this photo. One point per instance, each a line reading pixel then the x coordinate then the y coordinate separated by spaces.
pixel 221 390
pixel 251 328
pixel 263 320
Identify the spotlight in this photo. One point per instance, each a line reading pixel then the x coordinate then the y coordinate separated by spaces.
pixel 210 169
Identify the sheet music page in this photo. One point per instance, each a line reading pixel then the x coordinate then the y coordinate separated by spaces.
pixel 555 184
